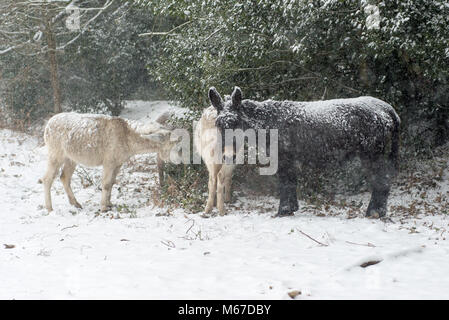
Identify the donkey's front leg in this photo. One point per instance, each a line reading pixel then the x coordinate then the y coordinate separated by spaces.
pixel 287 189
pixel 212 186
pixel 109 174
pixel 160 170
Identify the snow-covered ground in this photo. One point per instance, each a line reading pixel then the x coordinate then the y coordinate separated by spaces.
pixel 138 251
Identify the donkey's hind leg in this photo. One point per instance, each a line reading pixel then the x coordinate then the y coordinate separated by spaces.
pixel 223 188
pixel 66 178
pixel 380 175
pixel 228 182
pixel 288 180
pixel 53 166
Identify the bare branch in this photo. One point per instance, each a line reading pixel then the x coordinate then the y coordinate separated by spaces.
pixel 83 29
pixel 165 33
pixel 213 33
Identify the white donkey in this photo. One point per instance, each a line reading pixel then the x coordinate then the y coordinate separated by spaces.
pixel 220 175
pixel 95 140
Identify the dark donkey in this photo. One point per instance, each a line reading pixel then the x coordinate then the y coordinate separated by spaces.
pixel 320 132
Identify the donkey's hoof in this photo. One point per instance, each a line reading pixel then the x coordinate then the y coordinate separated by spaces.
pixel 221 210
pixel 375 214
pixel 106 208
pixel 286 211
pixel 283 214
pixel 76 205
pixel 208 209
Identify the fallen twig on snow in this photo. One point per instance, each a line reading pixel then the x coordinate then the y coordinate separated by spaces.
pixel 362 244
pixel 370 263
pixel 320 243
pixel 193 223
pixel 74 226
pixel 168 243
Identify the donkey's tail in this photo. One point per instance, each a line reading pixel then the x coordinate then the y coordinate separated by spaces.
pixel 395 140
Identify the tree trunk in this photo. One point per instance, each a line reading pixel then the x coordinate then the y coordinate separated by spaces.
pixel 53 64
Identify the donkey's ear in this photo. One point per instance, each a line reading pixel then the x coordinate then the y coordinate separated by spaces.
pixel 216 99
pixel 236 97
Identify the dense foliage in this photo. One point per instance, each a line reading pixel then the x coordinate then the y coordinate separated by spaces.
pixel 303 50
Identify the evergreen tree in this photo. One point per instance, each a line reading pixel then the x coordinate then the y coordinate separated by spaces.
pixel 306 50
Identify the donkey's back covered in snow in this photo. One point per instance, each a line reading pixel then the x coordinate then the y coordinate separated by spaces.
pixel 320 132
